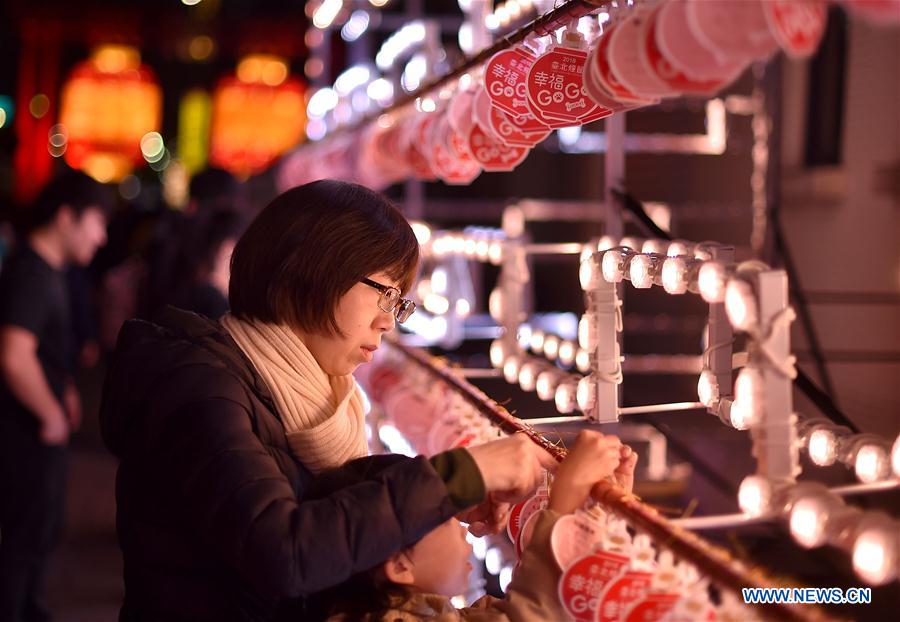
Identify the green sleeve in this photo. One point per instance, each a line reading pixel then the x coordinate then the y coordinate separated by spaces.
pixel 461 477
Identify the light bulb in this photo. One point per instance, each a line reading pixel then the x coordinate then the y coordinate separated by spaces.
pixel 707 388
pixel 633 243
pixel 566 353
pixel 711 279
pixel 583 361
pixel 498 353
pixel 606 242
pixel 875 553
pixel 537 341
pixel 565 397
pixel 589 273
pixel 511 369
pixel 755 495
pixel 809 519
pixel 523 335
pixel 747 406
pixel 674 275
pixel 493 560
pixel 871 463
pixel 586 394
pixel 643 270
pixel 546 384
pixel 654 247
pixel 822 447
pixel 588 331
pixel 497 305
pixel 551 346
pixel 740 304
pixel 495 253
pixel 895 457
pixel 613 264
pixel 528 375
pixel 679 248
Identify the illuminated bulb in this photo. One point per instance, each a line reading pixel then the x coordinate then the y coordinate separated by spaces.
pixel 495 253
pixel 588 272
pixel 745 411
pixel 875 554
pixel 895 457
pixel 463 308
pixel 586 394
pixel 537 341
pixel 565 397
pixel 152 147
pixel 546 384
pixel 633 243
pixel 523 336
pixel 502 15
pixel 809 518
pixel 566 353
pixel 674 275
pixel 679 248
pixel 707 388
pixel 588 332
pixel 511 369
pixel 505 578
pixel 422 232
pixel 493 560
pixel 613 264
pixel 754 495
pixel 583 361
pixel 822 447
pixel 871 463
pixel 528 375
pixel 712 278
pixel 491 22
pixel 654 247
pixel 437 304
pixel 498 354
pixel 551 346
pixel 439 280
pixel 606 242
pixel 496 305
pixel 740 304
pixel 481 249
pixel 644 270
pixel 515 11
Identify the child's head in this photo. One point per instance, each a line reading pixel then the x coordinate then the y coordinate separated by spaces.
pixel 437 563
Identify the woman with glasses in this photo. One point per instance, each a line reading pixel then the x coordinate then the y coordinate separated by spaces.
pixel 220 426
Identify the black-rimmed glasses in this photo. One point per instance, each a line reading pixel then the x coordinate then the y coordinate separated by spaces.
pixel 391 302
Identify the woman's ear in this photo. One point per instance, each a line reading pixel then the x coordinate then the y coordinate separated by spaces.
pixel 398 569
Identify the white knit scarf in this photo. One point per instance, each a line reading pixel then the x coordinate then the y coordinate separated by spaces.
pixel 323 415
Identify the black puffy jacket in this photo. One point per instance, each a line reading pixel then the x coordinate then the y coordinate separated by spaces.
pixel 210 517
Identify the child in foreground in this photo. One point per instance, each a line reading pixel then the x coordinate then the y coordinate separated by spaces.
pixel 417 583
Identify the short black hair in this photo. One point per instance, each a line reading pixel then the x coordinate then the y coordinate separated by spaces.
pixel 72 188
pixel 309 246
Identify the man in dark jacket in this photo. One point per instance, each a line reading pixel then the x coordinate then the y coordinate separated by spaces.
pixel 210 512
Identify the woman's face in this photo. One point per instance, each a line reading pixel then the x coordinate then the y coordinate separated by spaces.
pixel 362 323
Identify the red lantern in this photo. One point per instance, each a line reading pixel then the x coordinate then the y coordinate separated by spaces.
pixel 108 104
pixel 257 115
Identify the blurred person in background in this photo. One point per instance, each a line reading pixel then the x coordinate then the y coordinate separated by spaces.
pixel 39 404
pixel 200 282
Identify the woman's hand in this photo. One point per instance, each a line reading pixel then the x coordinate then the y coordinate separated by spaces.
pixel 512 468
pixel 593 457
